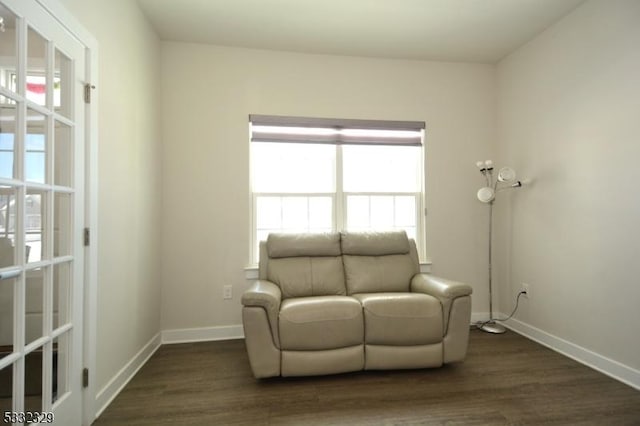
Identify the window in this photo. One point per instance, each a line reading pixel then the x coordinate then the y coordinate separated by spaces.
pixel 321 175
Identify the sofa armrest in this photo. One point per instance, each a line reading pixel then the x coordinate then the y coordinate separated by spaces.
pixel 263 293
pixel 439 287
pixel 266 295
pixel 446 291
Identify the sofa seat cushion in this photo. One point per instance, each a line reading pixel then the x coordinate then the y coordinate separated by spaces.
pixel 320 322
pixel 401 318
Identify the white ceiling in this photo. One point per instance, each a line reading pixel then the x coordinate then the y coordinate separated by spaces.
pixel 447 30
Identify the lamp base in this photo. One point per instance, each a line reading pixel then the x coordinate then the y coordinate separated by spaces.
pixel 492 327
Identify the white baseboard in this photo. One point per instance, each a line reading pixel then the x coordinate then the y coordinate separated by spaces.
pixel 108 393
pixel 203 334
pixel 611 368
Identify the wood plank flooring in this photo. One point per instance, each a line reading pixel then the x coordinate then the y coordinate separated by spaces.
pixel 506 380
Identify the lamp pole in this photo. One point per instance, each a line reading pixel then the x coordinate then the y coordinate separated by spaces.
pixel 491 326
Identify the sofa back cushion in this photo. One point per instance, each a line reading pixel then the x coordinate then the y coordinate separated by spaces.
pixel 298 245
pixel 378 262
pixel 305 264
pixel 374 243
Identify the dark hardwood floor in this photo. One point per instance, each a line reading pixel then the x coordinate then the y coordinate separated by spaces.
pixel 506 380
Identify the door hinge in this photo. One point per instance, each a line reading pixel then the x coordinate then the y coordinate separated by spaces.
pixel 85 378
pixel 87 92
pixel 87 237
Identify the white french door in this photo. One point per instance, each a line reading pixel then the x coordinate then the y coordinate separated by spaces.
pixel 41 217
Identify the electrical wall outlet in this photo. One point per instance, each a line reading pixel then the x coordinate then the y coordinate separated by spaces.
pixel 527 290
pixel 227 292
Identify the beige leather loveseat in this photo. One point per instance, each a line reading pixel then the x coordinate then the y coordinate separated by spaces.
pixel 339 302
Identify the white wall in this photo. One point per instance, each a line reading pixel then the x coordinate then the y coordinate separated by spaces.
pixel 568 117
pixel 208 93
pixel 129 180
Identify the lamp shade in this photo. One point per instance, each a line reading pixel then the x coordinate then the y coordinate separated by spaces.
pixel 506 174
pixel 486 194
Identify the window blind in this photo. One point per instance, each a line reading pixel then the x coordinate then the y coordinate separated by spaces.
pixel 272 128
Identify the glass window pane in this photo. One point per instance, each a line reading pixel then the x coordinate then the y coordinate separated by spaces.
pixel 381 168
pixel 7 137
pixel 36 68
pixel 7 226
pixel 295 213
pixel 369 213
pixel 33 381
pixel 320 213
pixel 34 305
pixel 288 168
pixel 6 389
pixel 62 224
pixel 405 211
pixel 7 293
pixel 287 213
pixel 62 156
pixel 35 238
pixel 382 212
pixel 9 63
pixel 411 232
pixel 61 294
pixel 358 212
pixel 269 212
pixel 35 144
pixel 62 84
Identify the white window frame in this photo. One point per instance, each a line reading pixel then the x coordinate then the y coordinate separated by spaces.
pixel 339 201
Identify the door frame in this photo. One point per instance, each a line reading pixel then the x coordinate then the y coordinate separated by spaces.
pixel 90 303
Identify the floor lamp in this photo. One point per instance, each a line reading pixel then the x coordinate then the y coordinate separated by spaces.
pixel 506 179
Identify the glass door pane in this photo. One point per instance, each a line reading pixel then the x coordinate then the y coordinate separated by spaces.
pixel 8 204
pixel 61 294
pixel 36 78
pixel 62 90
pixel 62 224
pixel 33 381
pixel 63 149
pixel 34 305
pixel 35 147
pixel 35 229
pixel 8 120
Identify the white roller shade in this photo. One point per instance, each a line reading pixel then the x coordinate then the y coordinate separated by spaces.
pixel 270 128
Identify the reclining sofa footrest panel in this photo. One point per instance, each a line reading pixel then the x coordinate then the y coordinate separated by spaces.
pixel 379 357
pixel 315 363
pixel 264 356
pixel 456 340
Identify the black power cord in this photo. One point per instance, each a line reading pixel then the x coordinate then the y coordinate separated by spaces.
pixel 481 324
